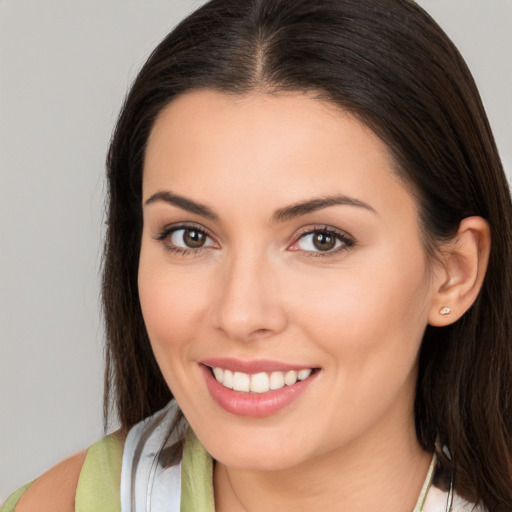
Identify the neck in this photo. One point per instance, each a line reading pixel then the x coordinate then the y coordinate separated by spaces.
pixel 368 474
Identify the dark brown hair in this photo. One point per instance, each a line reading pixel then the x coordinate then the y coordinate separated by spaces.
pixel 391 65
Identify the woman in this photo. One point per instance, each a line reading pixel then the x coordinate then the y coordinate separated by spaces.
pixel 309 249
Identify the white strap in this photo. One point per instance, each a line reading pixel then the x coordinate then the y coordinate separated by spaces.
pixel 146 485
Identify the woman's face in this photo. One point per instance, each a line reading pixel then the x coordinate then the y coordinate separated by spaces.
pixel 279 244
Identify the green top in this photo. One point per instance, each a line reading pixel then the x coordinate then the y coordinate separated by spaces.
pixel 196 477
pixel 100 478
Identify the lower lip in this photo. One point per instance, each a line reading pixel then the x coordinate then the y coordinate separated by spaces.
pixel 254 405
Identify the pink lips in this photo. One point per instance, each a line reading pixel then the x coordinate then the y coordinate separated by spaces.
pixel 254 405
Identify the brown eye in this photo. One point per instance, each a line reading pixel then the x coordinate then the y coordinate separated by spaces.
pixel 324 241
pixel 193 238
pixel 189 238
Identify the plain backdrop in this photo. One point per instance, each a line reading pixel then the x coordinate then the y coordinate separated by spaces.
pixel 65 66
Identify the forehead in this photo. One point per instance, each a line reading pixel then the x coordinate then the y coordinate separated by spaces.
pixel 286 146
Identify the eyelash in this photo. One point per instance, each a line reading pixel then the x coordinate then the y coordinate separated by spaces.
pixel 347 241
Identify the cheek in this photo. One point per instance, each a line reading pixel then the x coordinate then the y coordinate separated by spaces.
pixel 369 325
pixel 172 301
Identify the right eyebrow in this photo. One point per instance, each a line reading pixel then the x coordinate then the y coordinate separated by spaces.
pixel 183 203
pixel 315 204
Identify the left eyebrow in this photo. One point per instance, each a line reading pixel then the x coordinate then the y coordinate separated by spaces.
pixel 183 203
pixel 315 204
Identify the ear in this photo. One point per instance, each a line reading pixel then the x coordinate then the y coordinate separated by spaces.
pixel 461 271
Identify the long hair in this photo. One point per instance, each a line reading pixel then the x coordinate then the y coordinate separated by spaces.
pixel 389 64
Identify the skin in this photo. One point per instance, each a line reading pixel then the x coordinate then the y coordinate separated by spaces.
pixel 258 290
pixel 55 489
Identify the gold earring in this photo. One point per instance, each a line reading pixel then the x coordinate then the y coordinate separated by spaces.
pixel 445 311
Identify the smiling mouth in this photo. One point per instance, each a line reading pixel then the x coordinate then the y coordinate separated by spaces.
pixel 261 382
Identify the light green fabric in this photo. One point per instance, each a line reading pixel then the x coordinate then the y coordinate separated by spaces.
pixel 100 478
pixel 196 477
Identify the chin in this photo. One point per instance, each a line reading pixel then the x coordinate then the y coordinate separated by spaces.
pixel 266 453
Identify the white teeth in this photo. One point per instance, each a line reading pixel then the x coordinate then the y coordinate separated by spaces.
pixel 241 381
pixel 227 379
pixel 259 382
pixel 276 380
pixel 290 378
pixel 303 374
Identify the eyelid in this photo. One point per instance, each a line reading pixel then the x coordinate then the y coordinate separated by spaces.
pixel 347 239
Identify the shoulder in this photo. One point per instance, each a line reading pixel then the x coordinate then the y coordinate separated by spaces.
pixel 77 480
pixel 55 489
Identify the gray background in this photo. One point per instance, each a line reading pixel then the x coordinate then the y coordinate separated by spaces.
pixel 64 69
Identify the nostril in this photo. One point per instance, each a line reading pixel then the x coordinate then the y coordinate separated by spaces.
pixel 259 332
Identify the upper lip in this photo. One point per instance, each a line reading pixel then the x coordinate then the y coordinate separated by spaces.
pixel 253 366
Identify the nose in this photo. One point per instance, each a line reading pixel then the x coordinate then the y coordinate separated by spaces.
pixel 250 304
